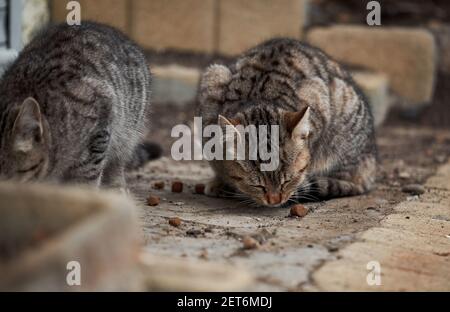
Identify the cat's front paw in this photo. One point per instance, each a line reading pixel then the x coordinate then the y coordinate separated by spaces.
pixel 125 191
pixel 214 188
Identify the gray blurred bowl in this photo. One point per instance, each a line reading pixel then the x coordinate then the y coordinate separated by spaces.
pixel 43 228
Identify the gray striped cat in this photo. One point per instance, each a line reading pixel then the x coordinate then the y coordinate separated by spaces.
pixel 73 107
pixel 327 145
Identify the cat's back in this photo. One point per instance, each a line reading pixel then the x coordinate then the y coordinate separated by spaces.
pixel 64 60
pixel 292 59
pixel 84 48
pixel 289 74
pixel 276 69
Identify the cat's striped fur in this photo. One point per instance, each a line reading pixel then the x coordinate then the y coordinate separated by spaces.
pixel 327 143
pixel 73 107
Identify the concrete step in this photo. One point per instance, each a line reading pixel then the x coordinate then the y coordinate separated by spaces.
pixel 376 88
pixel 174 84
pixel 406 55
pixel 244 24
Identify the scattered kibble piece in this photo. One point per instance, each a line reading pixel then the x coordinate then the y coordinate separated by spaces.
pixel 194 232
pixel 176 222
pixel 414 189
pixel 299 211
pixel 159 185
pixel 153 200
pixel 209 230
pixel 200 189
pixel 39 235
pixel 177 187
pixel 250 243
pixel 204 254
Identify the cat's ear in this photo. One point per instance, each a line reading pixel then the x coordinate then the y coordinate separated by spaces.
pixel 231 132
pixel 223 121
pixel 229 124
pixel 213 81
pixel 28 130
pixel 298 124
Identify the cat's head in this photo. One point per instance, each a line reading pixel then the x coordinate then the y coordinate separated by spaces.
pixel 273 187
pixel 24 143
pixel 269 187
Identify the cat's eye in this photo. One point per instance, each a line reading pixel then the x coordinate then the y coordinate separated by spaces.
pixel 261 187
pixel 236 178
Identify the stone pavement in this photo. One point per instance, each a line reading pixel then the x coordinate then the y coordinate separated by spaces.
pixel 412 246
pixel 329 249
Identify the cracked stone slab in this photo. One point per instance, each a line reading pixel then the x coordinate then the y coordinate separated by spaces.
pixel 401 270
pixel 412 247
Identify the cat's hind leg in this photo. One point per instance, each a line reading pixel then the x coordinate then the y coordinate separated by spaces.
pixel 89 168
pixel 350 181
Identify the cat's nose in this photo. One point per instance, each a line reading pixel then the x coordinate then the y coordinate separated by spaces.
pixel 273 198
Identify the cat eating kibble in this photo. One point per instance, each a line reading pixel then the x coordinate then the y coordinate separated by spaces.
pixel 327 144
pixel 73 107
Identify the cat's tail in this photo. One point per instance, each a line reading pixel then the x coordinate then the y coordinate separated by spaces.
pixel 144 153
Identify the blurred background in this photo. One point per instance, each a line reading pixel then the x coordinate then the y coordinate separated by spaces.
pixel 403 65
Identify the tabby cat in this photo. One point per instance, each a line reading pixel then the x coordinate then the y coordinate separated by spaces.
pixel 73 107
pixel 327 145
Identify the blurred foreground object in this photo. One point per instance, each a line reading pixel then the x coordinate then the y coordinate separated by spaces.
pixel 162 274
pixel 45 228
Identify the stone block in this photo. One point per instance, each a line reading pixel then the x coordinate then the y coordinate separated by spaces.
pixel 406 55
pixel 244 24
pixel 170 24
pixel 376 88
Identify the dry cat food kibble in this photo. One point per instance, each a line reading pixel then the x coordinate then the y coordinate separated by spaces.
pixel 153 200
pixel 299 211
pixel 176 222
pixel 200 189
pixel 159 185
pixel 250 243
pixel 413 189
pixel 177 187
